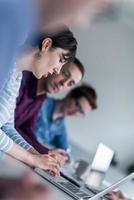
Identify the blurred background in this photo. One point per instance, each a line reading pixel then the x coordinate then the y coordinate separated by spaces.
pixel 109 62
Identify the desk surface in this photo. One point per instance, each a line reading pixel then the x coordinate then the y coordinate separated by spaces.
pixel 15 168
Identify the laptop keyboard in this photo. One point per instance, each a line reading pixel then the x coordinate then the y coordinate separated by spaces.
pixel 65 185
pixel 74 189
pixel 95 191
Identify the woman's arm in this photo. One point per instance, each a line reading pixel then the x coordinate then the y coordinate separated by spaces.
pixel 44 162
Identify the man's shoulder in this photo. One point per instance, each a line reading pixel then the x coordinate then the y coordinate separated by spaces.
pixel 48 104
pixel 49 101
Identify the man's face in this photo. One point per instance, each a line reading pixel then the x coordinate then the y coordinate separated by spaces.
pixel 69 76
pixel 76 107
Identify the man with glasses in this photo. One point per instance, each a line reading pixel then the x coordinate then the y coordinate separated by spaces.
pixel 50 126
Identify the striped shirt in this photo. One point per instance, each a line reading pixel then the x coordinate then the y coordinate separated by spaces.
pixel 8 96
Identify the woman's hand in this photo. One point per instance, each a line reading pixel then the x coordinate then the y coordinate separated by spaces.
pixel 60 155
pixel 34 159
pixel 47 163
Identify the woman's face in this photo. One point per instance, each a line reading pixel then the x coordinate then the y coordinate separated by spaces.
pixel 48 60
pixel 77 107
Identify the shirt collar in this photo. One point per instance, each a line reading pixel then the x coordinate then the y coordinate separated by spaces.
pixel 30 83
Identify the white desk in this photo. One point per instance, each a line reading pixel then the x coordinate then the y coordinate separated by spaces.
pixel 16 168
pixel 12 168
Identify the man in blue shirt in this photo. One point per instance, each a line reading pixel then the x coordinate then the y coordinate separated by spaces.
pixel 49 131
pixel 50 126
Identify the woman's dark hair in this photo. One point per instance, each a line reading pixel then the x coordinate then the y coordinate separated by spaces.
pixel 80 66
pixel 63 39
pixel 87 91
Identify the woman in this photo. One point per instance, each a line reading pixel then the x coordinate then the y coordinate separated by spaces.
pixel 46 56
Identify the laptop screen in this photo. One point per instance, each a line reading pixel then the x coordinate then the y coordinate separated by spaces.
pixel 102 158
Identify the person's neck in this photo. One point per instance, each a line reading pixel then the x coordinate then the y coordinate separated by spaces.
pixel 41 87
pixel 25 59
pixel 58 112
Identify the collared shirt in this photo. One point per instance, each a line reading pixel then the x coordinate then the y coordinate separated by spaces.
pixel 27 108
pixel 17 19
pixel 48 131
pixel 8 95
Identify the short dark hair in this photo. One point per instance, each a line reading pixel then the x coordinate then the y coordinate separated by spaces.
pixel 80 66
pixel 87 91
pixel 63 39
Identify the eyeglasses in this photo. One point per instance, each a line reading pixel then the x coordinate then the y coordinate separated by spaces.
pixel 79 108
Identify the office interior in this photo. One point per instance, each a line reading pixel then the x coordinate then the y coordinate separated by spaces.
pixel 106 49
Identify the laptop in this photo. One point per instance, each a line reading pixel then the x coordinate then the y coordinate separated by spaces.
pixel 99 167
pixel 79 193
pixel 72 185
pixel 65 185
pixel 95 172
pixel 113 187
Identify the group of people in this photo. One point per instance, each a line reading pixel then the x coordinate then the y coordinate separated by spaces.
pixel 38 57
